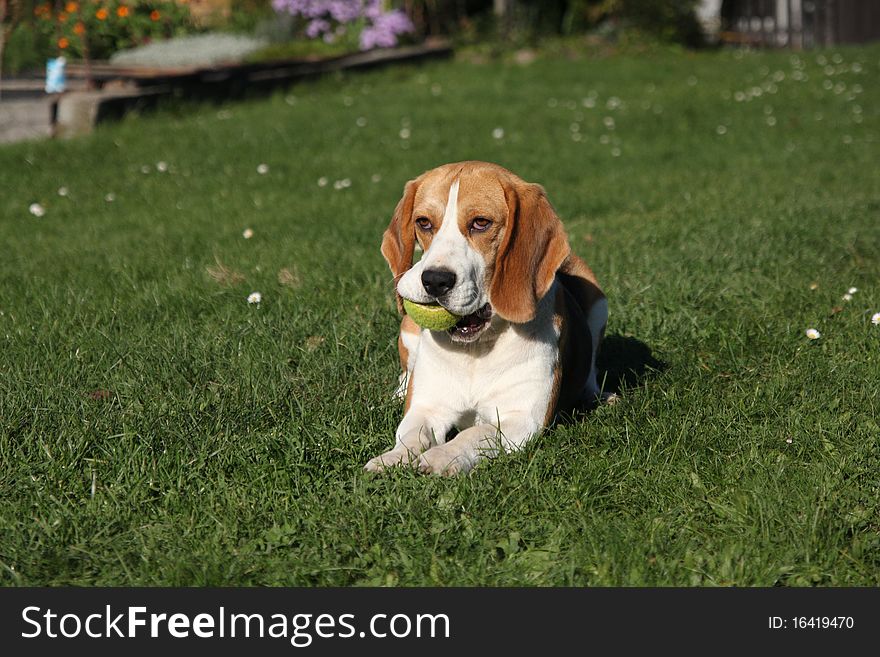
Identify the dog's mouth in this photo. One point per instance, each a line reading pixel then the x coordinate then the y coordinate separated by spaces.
pixel 471 326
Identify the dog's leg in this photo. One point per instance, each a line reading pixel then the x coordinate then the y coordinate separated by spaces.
pixel 476 443
pixel 416 433
pixel 407 348
pixel 596 321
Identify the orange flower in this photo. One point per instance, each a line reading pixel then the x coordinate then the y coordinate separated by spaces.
pixel 71 7
pixel 101 14
pixel 62 17
pixel 63 43
pixel 122 11
pixel 79 28
pixel 155 15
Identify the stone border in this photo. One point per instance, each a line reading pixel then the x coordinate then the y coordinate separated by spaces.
pixel 124 89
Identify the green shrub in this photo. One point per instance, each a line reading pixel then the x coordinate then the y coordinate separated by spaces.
pixel 668 20
pixel 25 49
pixel 247 15
pixel 97 29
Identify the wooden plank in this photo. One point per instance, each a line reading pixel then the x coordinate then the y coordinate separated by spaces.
pixel 104 71
pixel 126 88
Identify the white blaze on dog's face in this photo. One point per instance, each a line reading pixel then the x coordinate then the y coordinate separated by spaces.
pixel 491 243
pixel 455 237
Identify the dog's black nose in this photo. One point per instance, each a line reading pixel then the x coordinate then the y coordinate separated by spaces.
pixel 438 282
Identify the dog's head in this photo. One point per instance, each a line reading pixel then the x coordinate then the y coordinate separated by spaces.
pixel 491 242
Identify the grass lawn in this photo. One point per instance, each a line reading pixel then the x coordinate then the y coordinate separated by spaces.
pixel 156 428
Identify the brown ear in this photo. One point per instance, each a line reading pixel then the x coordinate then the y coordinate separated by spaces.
pixel 398 242
pixel 534 246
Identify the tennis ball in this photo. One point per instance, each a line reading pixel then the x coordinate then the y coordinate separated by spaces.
pixel 435 318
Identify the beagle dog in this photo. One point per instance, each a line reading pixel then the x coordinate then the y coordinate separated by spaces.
pixel 495 253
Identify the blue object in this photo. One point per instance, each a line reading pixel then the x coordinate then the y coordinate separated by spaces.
pixel 55 79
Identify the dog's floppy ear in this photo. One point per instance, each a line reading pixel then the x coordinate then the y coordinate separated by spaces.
pixel 398 242
pixel 534 246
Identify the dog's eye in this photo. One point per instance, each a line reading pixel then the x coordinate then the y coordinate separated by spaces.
pixel 479 224
pixel 424 223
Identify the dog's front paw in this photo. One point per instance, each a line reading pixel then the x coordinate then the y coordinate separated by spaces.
pixel 389 459
pixel 442 460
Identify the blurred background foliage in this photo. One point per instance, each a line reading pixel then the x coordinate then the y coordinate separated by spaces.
pixel 34 30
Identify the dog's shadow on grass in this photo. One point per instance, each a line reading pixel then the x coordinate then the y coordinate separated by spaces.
pixel 625 363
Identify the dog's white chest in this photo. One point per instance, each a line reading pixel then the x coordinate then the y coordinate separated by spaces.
pixel 482 381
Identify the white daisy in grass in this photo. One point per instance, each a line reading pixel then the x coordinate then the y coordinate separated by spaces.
pixel 852 290
pixel 110 197
pixel 875 319
pixel 498 133
pixel 847 297
pixel 161 167
pixel 248 233
pixel 262 169
pixel 404 133
pixel 63 191
pixel 813 334
pixel 36 209
pixel 254 297
pixel 322 181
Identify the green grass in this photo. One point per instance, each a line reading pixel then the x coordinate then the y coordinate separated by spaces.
pixel 303 49
pixel 155 428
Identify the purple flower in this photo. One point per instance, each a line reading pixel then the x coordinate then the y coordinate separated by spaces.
pixel 326 18
pixel 384 30
pixel 316 28
pixel 373 9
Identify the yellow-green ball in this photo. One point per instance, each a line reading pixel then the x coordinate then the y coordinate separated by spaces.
pixel 435 318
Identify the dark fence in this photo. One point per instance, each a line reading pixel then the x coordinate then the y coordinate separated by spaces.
pixel 799 23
